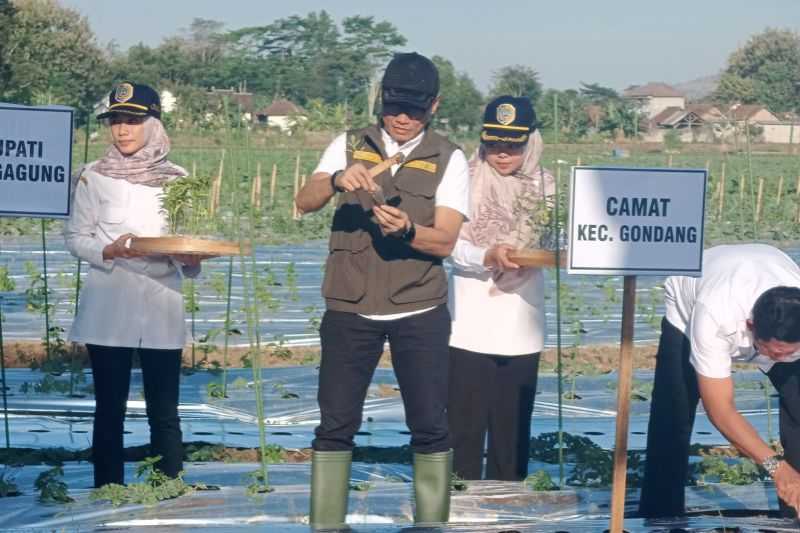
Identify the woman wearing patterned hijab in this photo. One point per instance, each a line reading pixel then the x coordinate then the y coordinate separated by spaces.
pixel 497 307
pixel 130 302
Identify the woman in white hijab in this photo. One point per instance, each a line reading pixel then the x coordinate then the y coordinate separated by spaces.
pixel 130 302
pixel 497 307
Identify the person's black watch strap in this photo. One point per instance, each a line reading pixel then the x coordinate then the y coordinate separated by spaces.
pixel 333 182
pixel 409 234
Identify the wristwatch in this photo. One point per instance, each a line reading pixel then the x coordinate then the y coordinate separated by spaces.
pixel 409 234
pixel 335 187
pixel 771 463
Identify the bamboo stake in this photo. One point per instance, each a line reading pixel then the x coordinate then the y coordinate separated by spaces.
pixel 296 185
pixel 255 188
pixel 741 188
pixel 212 193
pixel 218 190
pixel 669 161
pixel 216 185
pixel 294 195
pixel 301 181
pixel 780 190
pixel 797 197
pixel 721 192
pixel 46 293
pixel 258 174
pixel 559 365
pixel 578 163
pixel 272 184
pixel 758 199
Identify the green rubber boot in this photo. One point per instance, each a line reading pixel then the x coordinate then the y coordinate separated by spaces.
pixel 330 483
pixel 432 472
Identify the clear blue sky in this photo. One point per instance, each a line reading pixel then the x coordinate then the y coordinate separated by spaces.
pixel 614 42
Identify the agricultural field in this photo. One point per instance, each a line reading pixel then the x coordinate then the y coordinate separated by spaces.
pixel 752 194
pixel 246 364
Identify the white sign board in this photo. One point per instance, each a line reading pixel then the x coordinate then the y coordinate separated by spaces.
pixel 636 221
pixel 35 161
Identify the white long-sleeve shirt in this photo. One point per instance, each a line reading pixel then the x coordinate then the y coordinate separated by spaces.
pixel 134 302
pixel 712 310
pixel 507 323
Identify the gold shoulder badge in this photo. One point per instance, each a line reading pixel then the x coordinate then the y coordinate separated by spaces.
pixel 364 155
pixel 427 166
pixel 123 93
pixel 506 113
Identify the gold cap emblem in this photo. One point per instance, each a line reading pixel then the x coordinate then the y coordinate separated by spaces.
pixel 123 93
pixel 506 113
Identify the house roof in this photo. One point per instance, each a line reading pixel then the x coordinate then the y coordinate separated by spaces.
pixel 746 111
pixel 281 108
pixel 652 89
pixel 245 100
pixel 669 116
pixel 691 115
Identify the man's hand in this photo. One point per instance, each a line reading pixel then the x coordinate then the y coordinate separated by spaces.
pixel 392 221
pixel 718 399
pixel 787 484
pixel 496 258
pixel 119 248
pixel 355 177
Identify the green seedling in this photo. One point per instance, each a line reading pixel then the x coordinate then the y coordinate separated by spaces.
pixel 51 486
pixel 155 487
pixel 540 481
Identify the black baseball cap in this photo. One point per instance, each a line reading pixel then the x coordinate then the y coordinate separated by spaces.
pixel 508 119
pixel 131 98
pixel 410 79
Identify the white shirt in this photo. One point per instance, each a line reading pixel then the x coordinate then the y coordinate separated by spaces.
pixel 712 310
pixel 452 192
pixel 134 302
pixel 506 323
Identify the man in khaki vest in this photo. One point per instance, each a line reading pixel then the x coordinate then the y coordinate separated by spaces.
pixel 384 281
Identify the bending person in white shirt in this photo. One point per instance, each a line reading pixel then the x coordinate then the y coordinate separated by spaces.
pixel 745 308
pixel 130 302
pixel 498 308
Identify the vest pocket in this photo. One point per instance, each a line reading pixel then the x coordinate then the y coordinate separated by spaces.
pixel 416 281
pixel 346 267
pixel 417 183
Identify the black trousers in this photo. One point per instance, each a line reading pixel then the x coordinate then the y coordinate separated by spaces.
pixel 495 395
pixel 111 371
pixel 351 348
pixel 672 413
pixel 785 377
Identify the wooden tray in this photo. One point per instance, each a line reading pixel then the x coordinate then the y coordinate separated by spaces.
pixel 179 244
pixel 537 258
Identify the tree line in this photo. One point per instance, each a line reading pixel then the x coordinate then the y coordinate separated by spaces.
pixel 49 54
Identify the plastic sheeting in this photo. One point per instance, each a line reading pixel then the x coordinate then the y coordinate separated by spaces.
pixel 386 505
pixel 46 420
pixel 300 301
pixel 49 420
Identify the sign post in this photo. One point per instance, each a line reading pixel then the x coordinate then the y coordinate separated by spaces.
pixel 35 161
pixel 35 170
pixel 629 222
